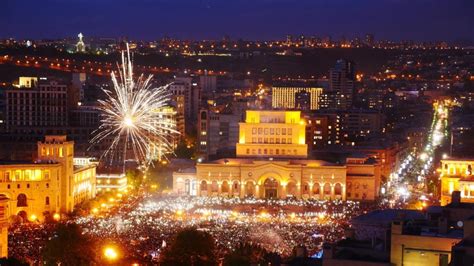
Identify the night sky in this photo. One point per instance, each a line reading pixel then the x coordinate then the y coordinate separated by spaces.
pixel 421 20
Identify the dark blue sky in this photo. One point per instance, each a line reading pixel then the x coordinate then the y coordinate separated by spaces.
pixel 450 20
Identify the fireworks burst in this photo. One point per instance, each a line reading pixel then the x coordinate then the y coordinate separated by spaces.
pixel 134 117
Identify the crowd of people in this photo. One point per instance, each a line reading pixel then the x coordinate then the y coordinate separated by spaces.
pixel 141 227
pixel 25 241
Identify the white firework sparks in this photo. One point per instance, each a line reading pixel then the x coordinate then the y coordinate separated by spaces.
pixel 134 116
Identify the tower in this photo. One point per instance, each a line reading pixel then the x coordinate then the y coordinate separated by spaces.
pixel 58 149
pixel 341 90
pixel 80 46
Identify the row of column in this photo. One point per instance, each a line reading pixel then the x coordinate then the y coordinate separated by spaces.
pixel 259 190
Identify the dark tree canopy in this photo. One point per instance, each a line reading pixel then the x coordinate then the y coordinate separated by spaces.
pixel 182 151
pixel 247 254
pixel 12 262
pixel 190 247
pixel 69 247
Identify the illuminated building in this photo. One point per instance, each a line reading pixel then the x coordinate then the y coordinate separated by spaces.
pixel 457 175
pixel 36 106
pixel 411 245
pixel 44 106
pixel 435 236
pixel 180 116
pixel 363 178
pixel 184 182
pixel 114 181
pixel 217 132
pixel 187 95
pixel 27 82
pixel 341 128
pixel 291 96
pixel 4 223
pixel 340 93
pixel 52 183
pixel 320 131
pixel 272 163
pixel 167 118
pixel 272 134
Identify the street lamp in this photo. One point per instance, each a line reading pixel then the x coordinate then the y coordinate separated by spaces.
pixel 110 253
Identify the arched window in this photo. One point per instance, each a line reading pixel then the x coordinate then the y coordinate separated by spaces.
pixel 305 188
pixel 204 185
pixel 338 189
pixel 214 186
pixel 47 201
pixel 249 188
pixel 316 189
pixel 187 186
pixel 291 189
pixel 225 187
pixel 327 189
pixel 21 200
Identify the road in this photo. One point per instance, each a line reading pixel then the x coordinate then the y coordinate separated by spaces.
pixel 408 183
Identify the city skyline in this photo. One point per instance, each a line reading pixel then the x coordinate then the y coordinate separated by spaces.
pixel 237 132
pixel 264 20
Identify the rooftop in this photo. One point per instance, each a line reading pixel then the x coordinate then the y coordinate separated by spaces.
pixel 386 217
pixel 27 162
pixel 303 162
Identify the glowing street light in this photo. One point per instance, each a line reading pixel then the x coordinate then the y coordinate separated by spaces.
pixel 424 156
pixel 110 253
pixel 33 218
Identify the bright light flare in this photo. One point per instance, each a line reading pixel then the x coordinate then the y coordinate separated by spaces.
pixel 128 121
pixel 110 253
pixel 135 118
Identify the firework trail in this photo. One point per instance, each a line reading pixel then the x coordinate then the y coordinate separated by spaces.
pixel 134 117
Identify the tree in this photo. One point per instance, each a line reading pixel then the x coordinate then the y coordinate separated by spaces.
pixel 12 262
pixel 184 151
pixel 69 247
pixel 246 254
pixel 190 247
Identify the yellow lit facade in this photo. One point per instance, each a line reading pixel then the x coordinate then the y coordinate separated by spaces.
pixel 262 170
pixel 363 180
pixel 115 182
pixel 51 184
pixel 28 82
pixel 166 124
pixel 285 97
pixel 411 249
pixel 272 134
pixel 457 175
pixel 271 179
pixel 4 219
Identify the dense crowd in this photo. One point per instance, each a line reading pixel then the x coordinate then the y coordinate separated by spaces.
pixel 143 226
